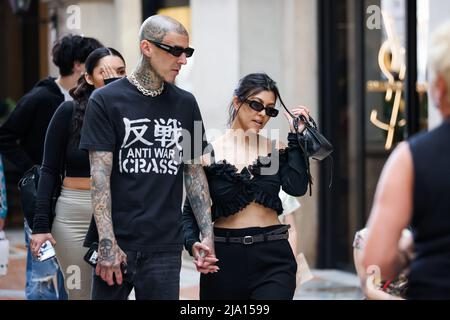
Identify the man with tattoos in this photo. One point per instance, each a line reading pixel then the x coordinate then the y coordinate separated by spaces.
pixel 140 131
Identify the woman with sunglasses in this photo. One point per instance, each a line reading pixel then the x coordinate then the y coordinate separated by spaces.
pixel 245 171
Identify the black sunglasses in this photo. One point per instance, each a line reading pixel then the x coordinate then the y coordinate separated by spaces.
pixel 173 50
pixel 258 106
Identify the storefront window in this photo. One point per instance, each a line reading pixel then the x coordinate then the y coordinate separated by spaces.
pixel 385 96
pixel 367 81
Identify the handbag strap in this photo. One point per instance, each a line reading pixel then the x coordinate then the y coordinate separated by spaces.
pixel 302 143
pixel 309 123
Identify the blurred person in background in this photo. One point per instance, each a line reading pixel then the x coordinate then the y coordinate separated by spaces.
pixel 73 210
pixel 414 190
pixel 22 143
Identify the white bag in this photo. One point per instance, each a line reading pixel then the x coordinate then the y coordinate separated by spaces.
pixel 4 253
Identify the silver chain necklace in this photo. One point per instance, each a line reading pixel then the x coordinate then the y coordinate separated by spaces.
pixel 146 92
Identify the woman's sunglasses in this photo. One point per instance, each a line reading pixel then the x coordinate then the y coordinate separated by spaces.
pixel 258 106
pixel 174 50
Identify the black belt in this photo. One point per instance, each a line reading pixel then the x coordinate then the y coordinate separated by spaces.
pixel 277 234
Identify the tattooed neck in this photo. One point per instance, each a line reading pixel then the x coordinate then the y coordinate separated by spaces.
pixel 147 76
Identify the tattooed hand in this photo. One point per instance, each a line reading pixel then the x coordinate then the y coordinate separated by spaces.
pixel 198 193
pixel 110 255
pixel 110 259
pixel 205 258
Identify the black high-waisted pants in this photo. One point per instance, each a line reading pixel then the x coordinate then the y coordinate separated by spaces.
pixel 258 271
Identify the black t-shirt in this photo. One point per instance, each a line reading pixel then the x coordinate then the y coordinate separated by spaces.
pixel 150 139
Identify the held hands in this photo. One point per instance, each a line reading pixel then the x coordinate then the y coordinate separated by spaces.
pixel 110 260
pixel 204 256
pixel 300 110
pixel 38 239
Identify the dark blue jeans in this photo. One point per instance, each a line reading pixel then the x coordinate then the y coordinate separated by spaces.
pixel 153 275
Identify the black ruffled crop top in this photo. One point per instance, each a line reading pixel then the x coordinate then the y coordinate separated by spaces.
pixel 231 191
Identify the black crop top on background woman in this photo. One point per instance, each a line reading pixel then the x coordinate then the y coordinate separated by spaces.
pixel 231 191
pixel 60 146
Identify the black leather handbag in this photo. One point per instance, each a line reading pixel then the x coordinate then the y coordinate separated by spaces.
pixel 28 190
pixel 28 187
pixel 314 144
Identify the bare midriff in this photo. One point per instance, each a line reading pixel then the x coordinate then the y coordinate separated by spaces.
pixel 76 183
pixel 254 215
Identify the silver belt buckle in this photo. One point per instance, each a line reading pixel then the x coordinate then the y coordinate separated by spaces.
pixel 248 240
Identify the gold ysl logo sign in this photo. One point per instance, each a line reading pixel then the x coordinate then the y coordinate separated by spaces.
pixel 391 59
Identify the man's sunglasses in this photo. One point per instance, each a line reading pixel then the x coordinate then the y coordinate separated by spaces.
pixel 173 50
pixel 258 106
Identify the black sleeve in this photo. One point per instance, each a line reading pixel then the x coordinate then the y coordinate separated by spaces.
pixel 15 129
pixel 97 133
pixel 294 176
pixel 195 146
pixel 55 145
pixel 190 227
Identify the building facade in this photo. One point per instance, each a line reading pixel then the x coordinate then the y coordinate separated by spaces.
pixel 359 65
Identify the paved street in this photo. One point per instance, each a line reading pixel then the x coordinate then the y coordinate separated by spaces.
pixel 326 284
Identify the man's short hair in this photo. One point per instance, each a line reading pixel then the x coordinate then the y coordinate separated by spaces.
pixel 156 27
pixel 70 49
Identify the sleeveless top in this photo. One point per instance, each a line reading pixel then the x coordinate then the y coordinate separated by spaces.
pixel 430 270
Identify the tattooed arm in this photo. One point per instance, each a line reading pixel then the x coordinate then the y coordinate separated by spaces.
pixel 198 193
pixel 110 256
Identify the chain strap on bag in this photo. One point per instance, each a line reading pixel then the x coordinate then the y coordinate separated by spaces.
pixel 312 143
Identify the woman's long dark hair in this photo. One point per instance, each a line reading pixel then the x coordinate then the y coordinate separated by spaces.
pixel 83 90
pixel 251 85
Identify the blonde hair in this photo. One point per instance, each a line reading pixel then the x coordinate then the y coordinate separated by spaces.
pixel 439 55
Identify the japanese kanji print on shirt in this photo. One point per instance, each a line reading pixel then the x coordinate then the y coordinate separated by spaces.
pixel 150 139
pixel 151 146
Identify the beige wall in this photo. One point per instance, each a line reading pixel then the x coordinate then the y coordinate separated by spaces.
pixel 215 64
pixel 115 23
